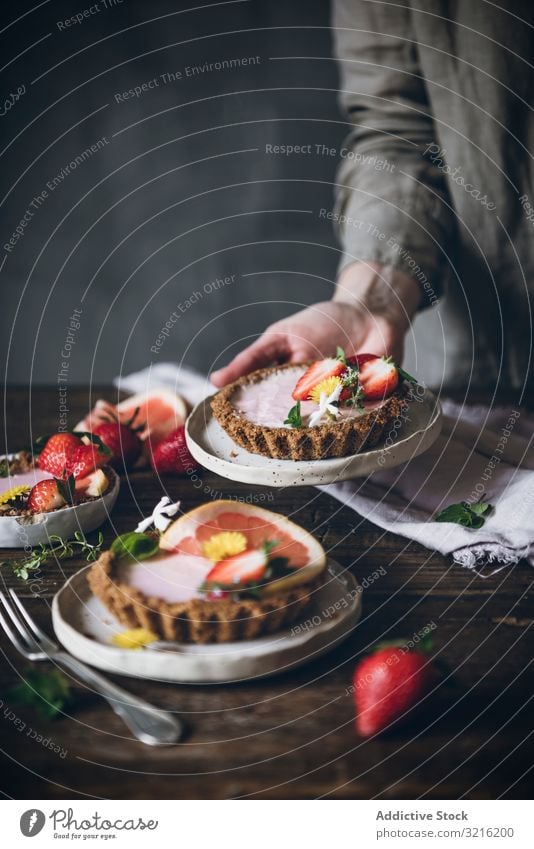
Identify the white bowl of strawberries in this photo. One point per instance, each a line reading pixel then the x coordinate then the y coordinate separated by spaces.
pixel 68 487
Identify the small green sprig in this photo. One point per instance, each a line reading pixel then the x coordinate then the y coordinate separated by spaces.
pixel 58 550
pixel 4 469
pixel 351 381
pixel 294 417
pixel 468 515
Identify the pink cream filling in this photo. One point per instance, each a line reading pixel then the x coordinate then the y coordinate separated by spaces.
pixel 24 479
pixel 269 401
pixel 170 577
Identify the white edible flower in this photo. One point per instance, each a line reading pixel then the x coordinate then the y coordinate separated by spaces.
pixel 326 405
pixel 161 516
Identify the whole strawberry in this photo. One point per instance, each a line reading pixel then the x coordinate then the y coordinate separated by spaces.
pixel 57 452
pixel 45 496
pixel 387 685
pixel 171 456
pixel 86 459
pixel 122 441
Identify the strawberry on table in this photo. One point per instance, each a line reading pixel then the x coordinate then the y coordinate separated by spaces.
pixel 57 452
pixel 45 496
pixel 387 685
pixel 122 441
pixel 315 374
pixel 171 456
pixel 240 569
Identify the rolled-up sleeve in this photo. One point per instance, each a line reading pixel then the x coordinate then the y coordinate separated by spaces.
pixel 391 200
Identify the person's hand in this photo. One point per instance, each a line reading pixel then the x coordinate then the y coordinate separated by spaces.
pixel 365 316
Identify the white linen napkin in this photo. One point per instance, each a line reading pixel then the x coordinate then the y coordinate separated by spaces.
pixel 479 451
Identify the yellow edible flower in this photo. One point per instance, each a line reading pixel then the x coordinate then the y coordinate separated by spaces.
pixel 225 544
pixel 13 493
pixel 327 386
pixel 134 638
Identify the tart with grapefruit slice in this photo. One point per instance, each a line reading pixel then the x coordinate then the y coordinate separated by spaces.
pixel 334 407
pixel 225 571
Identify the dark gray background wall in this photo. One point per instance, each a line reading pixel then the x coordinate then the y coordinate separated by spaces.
pixel 180 191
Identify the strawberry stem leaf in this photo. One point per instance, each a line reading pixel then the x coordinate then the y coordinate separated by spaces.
pixel 404 375
pixel 103 448
pixel 66 488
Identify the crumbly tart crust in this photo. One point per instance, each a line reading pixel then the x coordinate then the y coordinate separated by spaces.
pixel 197 620
pixel 331 439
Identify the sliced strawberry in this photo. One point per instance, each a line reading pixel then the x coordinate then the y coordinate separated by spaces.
pixel 57 452
pixel 85 460
pixel 45 496
pixel 315 374
pixel 378 376
pixel 239 569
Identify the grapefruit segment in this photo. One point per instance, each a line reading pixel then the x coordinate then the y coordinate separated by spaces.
pixel 305 555
pixel 159 412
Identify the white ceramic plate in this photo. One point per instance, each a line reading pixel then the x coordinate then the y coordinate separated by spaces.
pixel 85 627
pixel 215 450
pixel 23 531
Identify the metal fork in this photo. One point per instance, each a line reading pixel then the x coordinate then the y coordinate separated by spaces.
pixel 149 724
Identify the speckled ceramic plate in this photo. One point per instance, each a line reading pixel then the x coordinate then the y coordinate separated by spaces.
pixel 24 531
pixel 216 451
pixel 85 627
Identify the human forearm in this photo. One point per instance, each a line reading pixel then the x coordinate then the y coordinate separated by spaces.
pixel 381 290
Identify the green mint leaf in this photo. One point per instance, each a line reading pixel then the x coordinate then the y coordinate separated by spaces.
pixel 481 508
pixel 456 513
pixel 468 515
pixel 293 417
pixel 47 692
pixel 4 469
pixel 135 545
pixel 405 376
pixel 340 354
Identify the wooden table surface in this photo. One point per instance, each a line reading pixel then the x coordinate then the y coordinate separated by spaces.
pixel 293 735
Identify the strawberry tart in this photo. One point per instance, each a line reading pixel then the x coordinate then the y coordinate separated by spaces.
pixel 222 572
pixel 66 472
pixel 330 408
pixel 66 477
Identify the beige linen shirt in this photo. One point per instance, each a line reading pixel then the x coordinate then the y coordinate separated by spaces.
pixel 437 173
